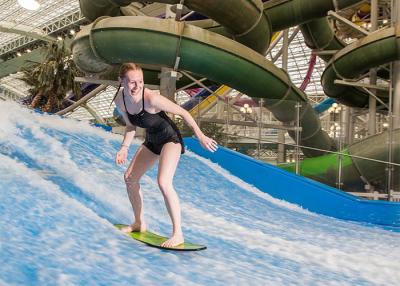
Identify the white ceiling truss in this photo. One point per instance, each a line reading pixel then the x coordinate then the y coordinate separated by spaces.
pixel 57 15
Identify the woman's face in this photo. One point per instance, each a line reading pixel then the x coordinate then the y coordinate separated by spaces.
pixel 135 82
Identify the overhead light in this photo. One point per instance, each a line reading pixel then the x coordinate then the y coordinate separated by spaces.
pixel 28 50
pixel 19 54
pixel 72 32
pixel 29 4
pixel 59 38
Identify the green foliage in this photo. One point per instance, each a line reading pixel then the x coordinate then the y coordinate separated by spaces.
pixel 52 79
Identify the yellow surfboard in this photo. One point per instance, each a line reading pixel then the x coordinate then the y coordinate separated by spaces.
pixel 156 240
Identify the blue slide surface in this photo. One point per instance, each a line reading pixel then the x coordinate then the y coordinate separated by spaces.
pixel 309 194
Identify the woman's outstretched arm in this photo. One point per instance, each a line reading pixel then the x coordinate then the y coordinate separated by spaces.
pixel 160 102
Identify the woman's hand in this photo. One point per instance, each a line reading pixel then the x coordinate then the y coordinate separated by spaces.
pixel 208 143
pixel 122 155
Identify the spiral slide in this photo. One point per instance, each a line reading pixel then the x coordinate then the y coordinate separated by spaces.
pixel 112 39
pixel 158 42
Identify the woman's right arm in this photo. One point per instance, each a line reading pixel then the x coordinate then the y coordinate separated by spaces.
pixel 129 134
pixel 130 131
pixel 122 154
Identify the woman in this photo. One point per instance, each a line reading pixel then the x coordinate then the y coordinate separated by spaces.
pixel 146 108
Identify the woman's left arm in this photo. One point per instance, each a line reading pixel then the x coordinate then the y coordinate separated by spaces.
pixel 164 104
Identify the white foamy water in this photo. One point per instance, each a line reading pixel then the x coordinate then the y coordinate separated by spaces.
pixel 61 193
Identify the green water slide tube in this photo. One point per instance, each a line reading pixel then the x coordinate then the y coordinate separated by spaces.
pixel 153 42
pixel 150 41
pixel 284 14
pixel 319 35
pixel 243 19
pixel 351 61
pixel 356 172
pixel 378 48
pixel 217 58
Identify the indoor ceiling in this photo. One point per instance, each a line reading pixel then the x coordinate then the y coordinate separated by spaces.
pixel 51 16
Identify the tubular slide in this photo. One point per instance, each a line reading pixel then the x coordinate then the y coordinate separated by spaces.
pixel 158 42
pixel 232 54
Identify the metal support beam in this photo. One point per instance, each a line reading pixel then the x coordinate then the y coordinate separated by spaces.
pixel 285 49
pixel 72 18
pixel 362 85
pixel 396 72
pixel 291 38
pixel 325 53
pixel 93 113
pixel 336 16
pixel 168 78
pixel 281 133
pixel 192 84
pixel 83 100
pixel 274 43
pixel 9 27
pixel 246 116
pixel 349 125
pixel 249 124
pixel 114 83
pixel 373 74
pixel 376 99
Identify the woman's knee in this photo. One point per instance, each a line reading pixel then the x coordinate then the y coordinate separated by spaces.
pixel 131 179
pixel 165 184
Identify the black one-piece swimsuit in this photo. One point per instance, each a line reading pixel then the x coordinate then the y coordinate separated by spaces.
pixel 160 129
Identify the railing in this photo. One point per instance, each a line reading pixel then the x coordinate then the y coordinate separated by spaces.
pixel 364 165
pixel 331 163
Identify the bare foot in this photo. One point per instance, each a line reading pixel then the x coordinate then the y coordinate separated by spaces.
pixel 136 227
pixel 175 240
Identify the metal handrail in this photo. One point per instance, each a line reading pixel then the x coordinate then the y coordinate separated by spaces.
pixel 312 148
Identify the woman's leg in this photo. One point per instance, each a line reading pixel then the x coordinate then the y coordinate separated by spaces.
pixel 141 162
pixel 169 158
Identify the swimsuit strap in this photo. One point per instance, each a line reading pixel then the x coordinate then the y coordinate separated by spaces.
pixel 143 100
pixel 123 97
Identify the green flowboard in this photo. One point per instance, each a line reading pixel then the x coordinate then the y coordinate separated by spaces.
pixel 155 240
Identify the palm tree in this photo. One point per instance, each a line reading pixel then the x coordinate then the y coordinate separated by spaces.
pixel 52 79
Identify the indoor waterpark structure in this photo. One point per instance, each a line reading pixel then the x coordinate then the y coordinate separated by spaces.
pixel 266 134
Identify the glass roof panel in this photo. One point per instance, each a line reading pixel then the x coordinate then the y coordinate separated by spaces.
pixel 51 10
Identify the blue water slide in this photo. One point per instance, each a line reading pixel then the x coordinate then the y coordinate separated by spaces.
pixel 324 105
pixel 308 194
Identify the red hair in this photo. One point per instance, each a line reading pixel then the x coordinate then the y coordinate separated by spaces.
pixel 128 67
